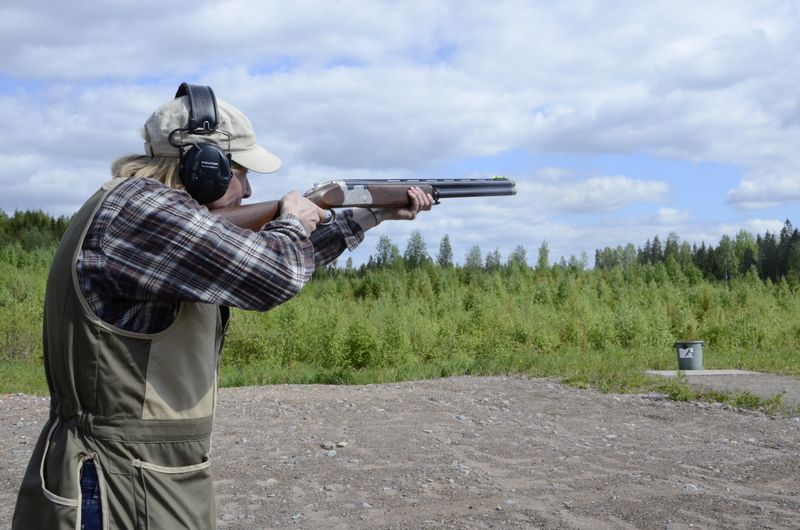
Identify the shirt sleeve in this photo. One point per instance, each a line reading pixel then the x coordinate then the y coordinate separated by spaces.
pixel 162 246
pixel 331 240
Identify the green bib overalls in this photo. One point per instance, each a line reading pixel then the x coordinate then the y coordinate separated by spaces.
pixel 139 405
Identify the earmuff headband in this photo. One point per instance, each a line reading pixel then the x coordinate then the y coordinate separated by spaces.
pixel 203 110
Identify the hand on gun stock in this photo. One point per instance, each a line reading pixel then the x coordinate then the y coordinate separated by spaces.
pixel 310 214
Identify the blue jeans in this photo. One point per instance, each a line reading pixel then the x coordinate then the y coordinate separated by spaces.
pixel 90 492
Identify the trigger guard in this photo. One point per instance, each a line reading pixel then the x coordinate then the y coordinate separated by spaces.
pixel 331 218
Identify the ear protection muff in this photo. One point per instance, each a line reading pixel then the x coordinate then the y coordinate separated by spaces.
pixel 205 170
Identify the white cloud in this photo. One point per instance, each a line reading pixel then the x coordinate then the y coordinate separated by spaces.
pixel 552 174
pixel 611 193
pixel 594 194
pixel 423 81
pixel 761 226
pixel 16 165
pixel 762 192
pixel 56 190
pixel 396 89
pixel 671 216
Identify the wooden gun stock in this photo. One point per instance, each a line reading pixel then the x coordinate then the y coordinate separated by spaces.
pixel 252 216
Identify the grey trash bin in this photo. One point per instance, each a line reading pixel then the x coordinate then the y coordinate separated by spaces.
pixel 690 354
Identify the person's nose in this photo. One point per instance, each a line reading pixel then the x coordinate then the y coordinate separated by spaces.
pixel 247 191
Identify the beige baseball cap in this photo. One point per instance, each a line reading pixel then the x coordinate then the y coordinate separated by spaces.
pixel 234 134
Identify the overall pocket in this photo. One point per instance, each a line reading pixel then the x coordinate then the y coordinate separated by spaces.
pixel 61 471
pixel 174 497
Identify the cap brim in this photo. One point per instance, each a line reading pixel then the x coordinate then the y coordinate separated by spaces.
pixel 257 159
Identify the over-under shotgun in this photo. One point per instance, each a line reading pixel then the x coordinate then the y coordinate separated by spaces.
pixel 368 193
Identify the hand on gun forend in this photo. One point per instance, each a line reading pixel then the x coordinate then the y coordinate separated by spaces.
pixel 309 213
pixel 419 201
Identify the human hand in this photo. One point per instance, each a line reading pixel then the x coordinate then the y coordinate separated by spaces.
pixel 309 213
pixel 420 201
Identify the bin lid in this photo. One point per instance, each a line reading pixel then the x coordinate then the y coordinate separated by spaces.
pixel 682 342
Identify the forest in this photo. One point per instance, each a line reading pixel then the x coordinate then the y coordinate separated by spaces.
pixel 772 256
pixel 409 314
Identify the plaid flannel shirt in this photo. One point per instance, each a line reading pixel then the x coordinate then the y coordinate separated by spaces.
pixel 151 247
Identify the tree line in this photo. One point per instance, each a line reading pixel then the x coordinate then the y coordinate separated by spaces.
pixel 387 254
pixel 31 229
pixel 771 256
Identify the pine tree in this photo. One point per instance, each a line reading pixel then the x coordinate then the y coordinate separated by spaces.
pixel 473 259
pixel 445 257
pixel 784 248
pixel 672 247
pixel 745 251
pixel 685 257
pixel 726 265
pixel 518 258
pixel 577 264
pixel 644 254
pixel 768 257
pixel 628 256
pixel 701 259
pixel 793 266
pixel 599 261
pixel 415 254
pixel 656 253
pixel 388 253
pixel 543 261
pixel 493 260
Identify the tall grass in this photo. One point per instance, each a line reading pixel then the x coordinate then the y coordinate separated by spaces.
pixel 590 328
pixel 599 328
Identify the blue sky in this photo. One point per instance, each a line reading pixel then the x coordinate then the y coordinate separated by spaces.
pixel 619 120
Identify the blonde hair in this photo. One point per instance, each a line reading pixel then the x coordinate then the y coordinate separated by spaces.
pixel 161 168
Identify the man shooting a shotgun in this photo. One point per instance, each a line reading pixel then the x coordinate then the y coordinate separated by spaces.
pixel 136 308
pixel 135 312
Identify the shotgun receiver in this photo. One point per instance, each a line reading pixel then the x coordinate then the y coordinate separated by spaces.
pixel 368 193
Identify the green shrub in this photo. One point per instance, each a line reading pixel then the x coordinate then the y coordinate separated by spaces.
pixel 592 327
pixel 362 346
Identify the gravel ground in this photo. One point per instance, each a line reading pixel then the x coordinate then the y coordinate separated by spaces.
pixel 477 452
pixel 763 385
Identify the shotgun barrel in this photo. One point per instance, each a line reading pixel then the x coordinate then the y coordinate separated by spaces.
pixel 439 188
